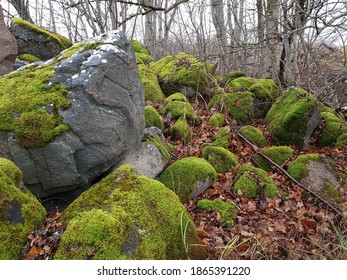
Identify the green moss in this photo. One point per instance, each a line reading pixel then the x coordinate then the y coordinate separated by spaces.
pixel 153 91
pixel 158 143
pixel 20 211
pixel 225 209
pixel 183 176
pixel 278 154
pixel 253 135
pixel 22 94
pixel 177 97
pixel 181 131
pixel 297 169
pixel 230 76
pixel 251 181
pixel 222 139
pixel 333 128
pixel 127 216
pixel 238 105
pixel 29 58
pixel 331 190
pixel 289 117
pixel 66 54
pixel 179 109
pixel 341 140
pixel 221 159
pixel 239 84
pixel 61 40
pixel 153 118
pixel 217 120
pixel 141 53
pixel 265 90
pixel 183 70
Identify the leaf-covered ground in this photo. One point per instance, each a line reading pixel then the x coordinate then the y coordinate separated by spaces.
pixel 292 226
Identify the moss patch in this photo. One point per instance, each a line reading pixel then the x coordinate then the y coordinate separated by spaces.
pixel 216 120
pixel 183 176
pixel 265 90
pixel 330 190
pixel 238 105
pixel 333 128
pixel 29 58
pixel 278 154
pixel 22 94
pixel 127 216
pixel 179 109
pixel 341 140
pixel 149 80
pixel 297 169
pixel 182 70
pixel 221 159
pixel 141 53
pixel 152 118
pixel 291 117
pixel 230 76
pixel 177 97
pixel 225 209
pixel 239 84
pixel 20 211
pixel 251 181
pixel 253 135
pixel 61 40
pixel 222 139
pixel 181 130
pixel 160 145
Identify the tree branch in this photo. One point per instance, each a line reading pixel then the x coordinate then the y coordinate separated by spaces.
pixel 256 149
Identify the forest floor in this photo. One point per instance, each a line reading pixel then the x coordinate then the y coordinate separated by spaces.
pixel 292 226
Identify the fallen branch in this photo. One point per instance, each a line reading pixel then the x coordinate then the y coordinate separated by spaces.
pixel 256 149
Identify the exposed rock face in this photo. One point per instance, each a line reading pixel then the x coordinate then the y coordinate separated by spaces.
pixel 105 119
pixel 37 41
pixel 8 49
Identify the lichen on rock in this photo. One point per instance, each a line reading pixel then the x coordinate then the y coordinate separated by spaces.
pixel 20 212
pixel 188 177
pixel 127 216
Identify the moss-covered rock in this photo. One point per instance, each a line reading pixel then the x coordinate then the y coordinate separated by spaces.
pixel 177 97
pixel 230 76
pixel 226 210
pixel 183 70
pixel 20 212
pixel 21 94
pixel 278 154
pixel 333 127
pixel 162 147
pixel 265 93
pixel 188 177
pixel 341 140
pixel 181 130
pixel 239 84
pixel 238 105
pixel 293 118
pixel 253 135
pixel 220 158
pixel 153 118
pixel 222 139
pixel 127 216
pixel 141 53
pixel 149 80
pixel 297 169
pixel 251 181
pixel 217 120
pixel 178 109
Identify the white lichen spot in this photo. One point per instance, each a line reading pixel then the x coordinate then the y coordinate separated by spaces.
pixel 75 76
pixel 104 61
pixel 83 71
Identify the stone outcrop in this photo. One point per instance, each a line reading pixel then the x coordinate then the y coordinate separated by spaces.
pixel 91 112
pixel 8 49
pixel 36 41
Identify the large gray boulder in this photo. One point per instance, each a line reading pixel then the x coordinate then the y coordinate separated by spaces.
pixel 37 41
pixel 8 47
pixel 105 118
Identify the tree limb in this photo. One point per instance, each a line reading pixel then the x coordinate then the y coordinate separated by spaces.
pixel 256 149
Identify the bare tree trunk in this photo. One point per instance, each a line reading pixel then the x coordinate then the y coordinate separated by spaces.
pixel 22 8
